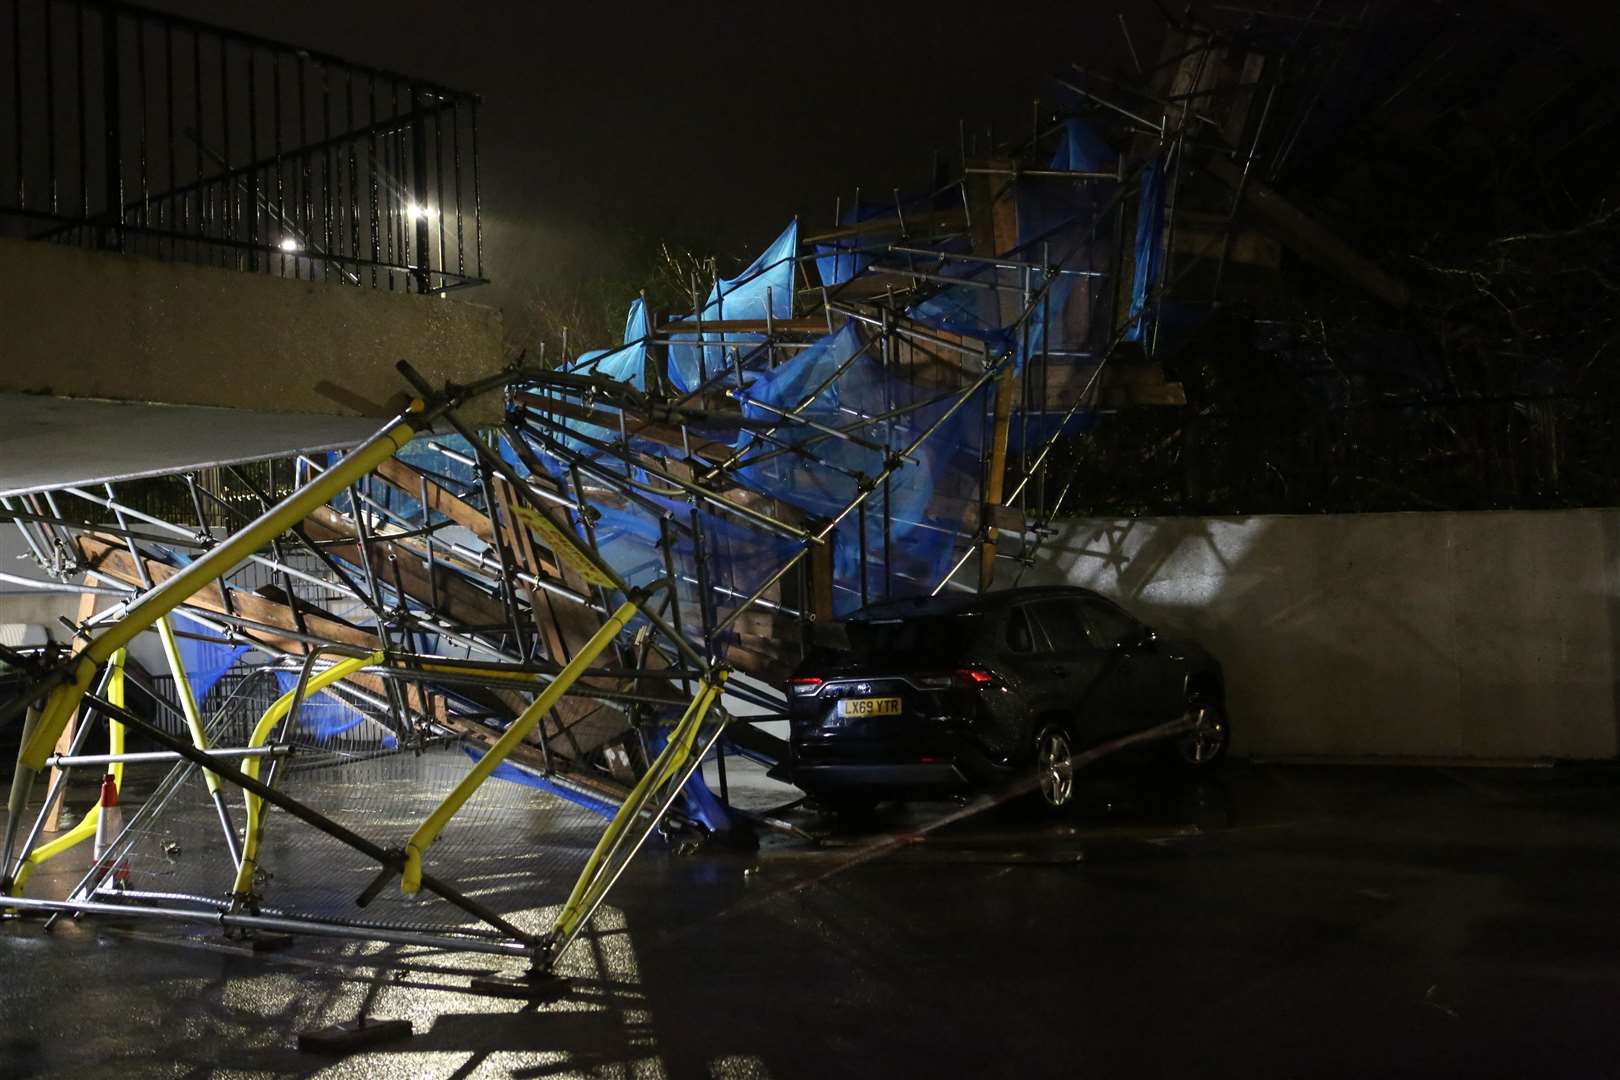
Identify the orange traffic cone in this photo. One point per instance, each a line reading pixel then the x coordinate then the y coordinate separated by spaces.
pixel 109 823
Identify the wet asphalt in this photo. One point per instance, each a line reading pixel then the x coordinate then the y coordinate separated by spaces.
pixel 1277 921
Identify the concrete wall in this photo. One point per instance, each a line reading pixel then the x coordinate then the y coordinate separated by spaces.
pixel 29 613
pixel 1482 635
pixel 84 324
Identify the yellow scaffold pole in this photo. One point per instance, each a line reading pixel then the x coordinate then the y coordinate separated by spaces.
pixel 188 700
pixel 667 766
pixel 158 602
pixel 70 684
pixel 86 828
pixel 411 877
pixel 199 737
pixel 262 731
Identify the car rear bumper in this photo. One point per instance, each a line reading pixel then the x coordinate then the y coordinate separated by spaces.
pixel 888 777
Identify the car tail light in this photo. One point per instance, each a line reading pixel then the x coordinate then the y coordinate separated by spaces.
pixel 806 686
pixel 972 677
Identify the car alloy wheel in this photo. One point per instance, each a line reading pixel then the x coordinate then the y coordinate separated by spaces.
pixel 1054 764
pixel 1206 742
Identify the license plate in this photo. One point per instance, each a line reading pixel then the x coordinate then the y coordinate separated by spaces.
pixel 869 706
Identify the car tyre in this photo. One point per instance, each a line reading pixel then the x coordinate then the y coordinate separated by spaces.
pixel 1054 767
pixel 1203 749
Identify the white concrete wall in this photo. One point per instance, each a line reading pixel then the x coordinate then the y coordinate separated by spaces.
pixel 37 611
pixel 21 605
pixel 1481 635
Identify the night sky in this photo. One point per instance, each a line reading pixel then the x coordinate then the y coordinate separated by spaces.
pixel 608 126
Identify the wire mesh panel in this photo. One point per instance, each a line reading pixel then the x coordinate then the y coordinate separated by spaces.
pixel 515 846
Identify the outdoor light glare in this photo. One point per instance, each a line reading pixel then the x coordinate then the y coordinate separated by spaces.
pixel 418 213
pixel 288 244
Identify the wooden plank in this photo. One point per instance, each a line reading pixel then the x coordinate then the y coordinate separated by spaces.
pixel 1125 385
pixel 568 626
pixel 64 742
pixel 112 559
pixel 995 230
pixel 995 481
pixel 768 667
pixel 1193 77
pixel 663 434
pixel 563 626
pixel 1309 238
pixel 1005 518
pixel 598 725
pixel 927 221
pixel 456 596
pixel 1247 246
pixel 409 481
pixel 458 510
pixel 821 582
pixel 868 285
pixel 766 645
pixel 993 199
pixel 745 326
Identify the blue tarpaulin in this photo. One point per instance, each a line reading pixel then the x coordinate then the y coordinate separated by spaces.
pixel 206 662
pixel 628 362
pixel 924 502
pixel 1149 226
pixel 322 716
pixel 768 278
pixel 625 364
pixel 698 802
pixel 518 775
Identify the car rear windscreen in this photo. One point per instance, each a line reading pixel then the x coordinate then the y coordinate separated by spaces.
pixel 923 639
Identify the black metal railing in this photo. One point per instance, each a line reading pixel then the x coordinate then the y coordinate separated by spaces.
pixel 138 131
pixel 1530 452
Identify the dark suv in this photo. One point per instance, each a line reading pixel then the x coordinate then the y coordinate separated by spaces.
pixel 956 693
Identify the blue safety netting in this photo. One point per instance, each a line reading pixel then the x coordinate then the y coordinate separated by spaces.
pixel 972 310
pixel 322 716
pixel 428 454
pixel 1051 208
pixel 1066 222
pixel 910 529
pixel 927 503
pixel 842 258
pixel 1059 223
pixel 516 774
pixel 736 555
pixel 767 282
pixel 697 801
pixel 625 364
pixel 628 362
pixel 1161 326
pixel 1149 253
pixel 206 662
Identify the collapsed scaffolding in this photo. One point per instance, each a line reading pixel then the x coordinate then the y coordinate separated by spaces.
pixel 465 648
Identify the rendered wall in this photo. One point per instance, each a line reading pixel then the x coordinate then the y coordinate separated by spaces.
pixel 84 324
pixel 1481 635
